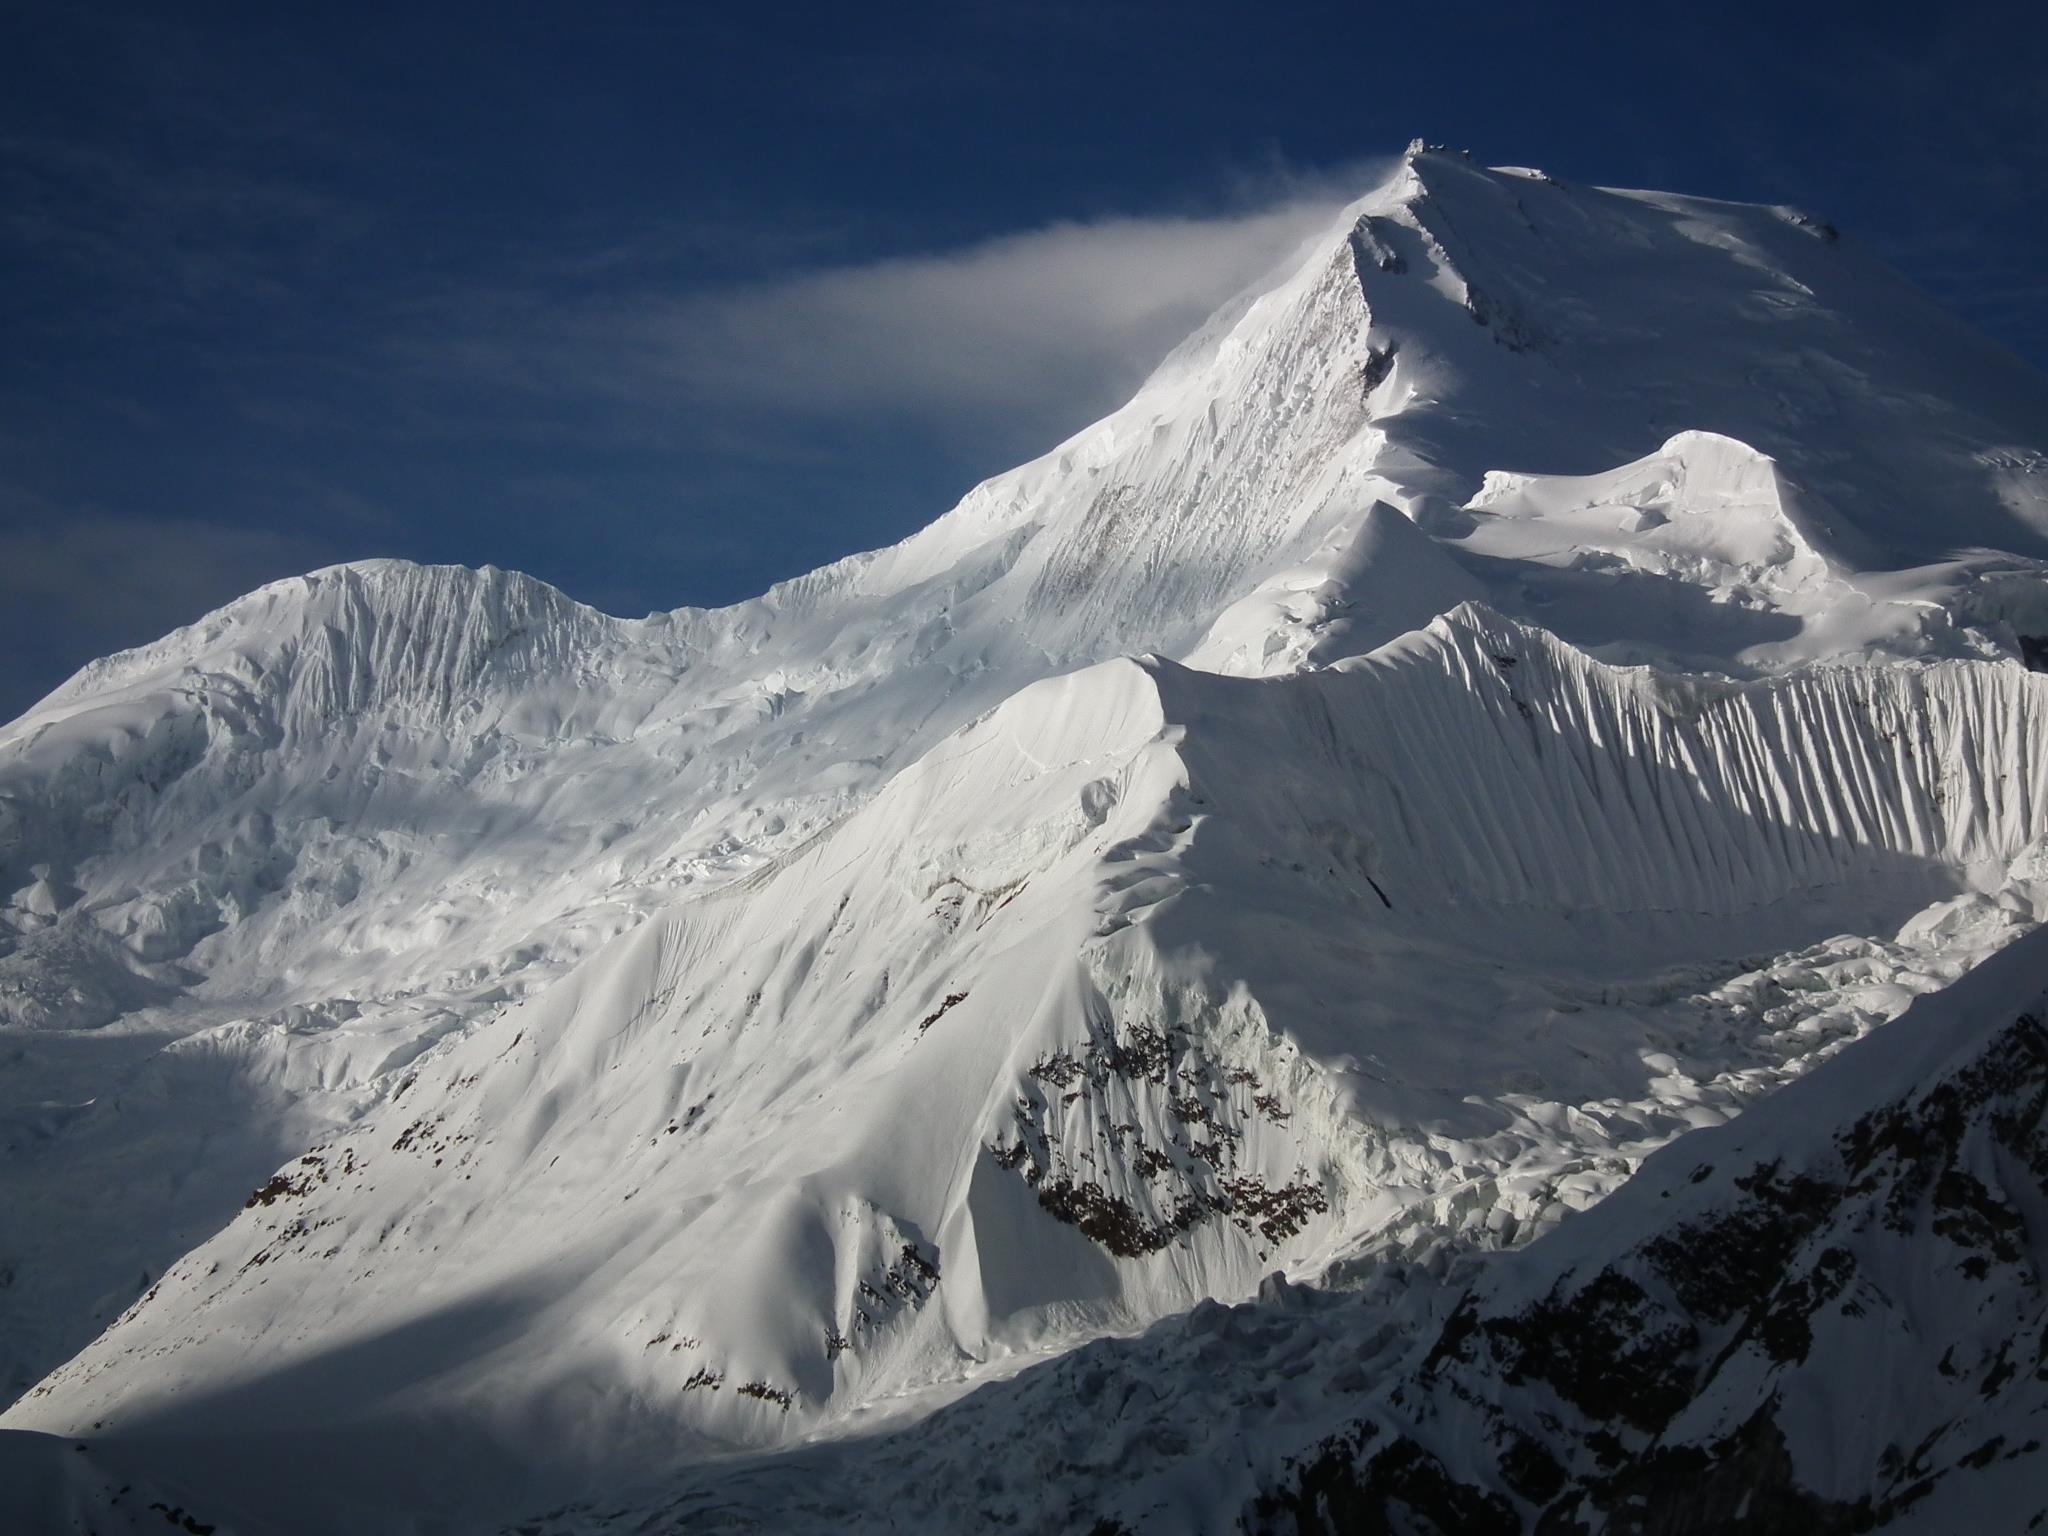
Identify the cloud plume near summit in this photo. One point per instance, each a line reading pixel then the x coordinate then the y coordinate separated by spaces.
pixel 1052 320
pixel 995 345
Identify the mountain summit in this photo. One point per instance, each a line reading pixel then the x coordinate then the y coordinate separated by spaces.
pixel 1540 673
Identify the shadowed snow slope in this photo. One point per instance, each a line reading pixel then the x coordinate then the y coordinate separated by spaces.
pixel 1824 1317
pixel 1581 688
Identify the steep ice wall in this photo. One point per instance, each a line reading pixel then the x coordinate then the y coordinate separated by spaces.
pixel 1481 763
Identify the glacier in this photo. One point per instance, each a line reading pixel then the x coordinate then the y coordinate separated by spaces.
pixel 1540 680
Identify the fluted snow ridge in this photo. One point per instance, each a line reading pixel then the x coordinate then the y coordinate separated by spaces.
pixel 349 638
pixel 1483 761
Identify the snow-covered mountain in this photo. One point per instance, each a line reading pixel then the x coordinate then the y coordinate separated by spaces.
pixel 1540 673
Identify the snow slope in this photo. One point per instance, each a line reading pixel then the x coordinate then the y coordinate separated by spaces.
pixel 1221 988
pixel 646 1038
pixel 1825 1316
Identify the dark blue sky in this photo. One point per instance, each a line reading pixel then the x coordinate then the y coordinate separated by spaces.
pixel 665 302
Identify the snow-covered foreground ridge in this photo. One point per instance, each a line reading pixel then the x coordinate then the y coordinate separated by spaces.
pixel 1535 677
pixel 1827 1316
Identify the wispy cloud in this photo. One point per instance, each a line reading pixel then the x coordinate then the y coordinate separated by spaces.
pixel 1019 336
pixel 1025 321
